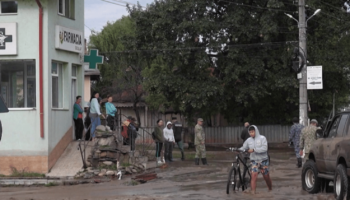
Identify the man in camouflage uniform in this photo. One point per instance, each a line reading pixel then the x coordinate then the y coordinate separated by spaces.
pixel 307 138
pixel 199 141
pixel 294 136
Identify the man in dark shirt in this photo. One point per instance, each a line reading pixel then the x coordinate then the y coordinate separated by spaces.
pixel 245 133
pixel 177 128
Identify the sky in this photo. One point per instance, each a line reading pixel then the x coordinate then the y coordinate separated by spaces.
pixel 98 13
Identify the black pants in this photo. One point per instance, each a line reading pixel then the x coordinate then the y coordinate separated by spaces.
pixel 130 142
pixel 159 146
pixel 168 151
pixel 79 127
pixel 110 122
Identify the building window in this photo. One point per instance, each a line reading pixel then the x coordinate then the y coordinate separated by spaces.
pixel 66 8
pixel 9 7
pixel 18 83
pixel 57 85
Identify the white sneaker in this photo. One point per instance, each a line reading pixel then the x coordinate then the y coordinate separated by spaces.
pixel 160 163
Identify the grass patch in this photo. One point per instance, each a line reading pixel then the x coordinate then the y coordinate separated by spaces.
pixel 108 167
pixel 125 165
pixel 131 183
pixel 51 184
pixel 189 155
pixel 24 173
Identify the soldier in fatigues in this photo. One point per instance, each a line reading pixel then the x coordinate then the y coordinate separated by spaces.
pixel 294 136
pixel 199 141
pixel 307 138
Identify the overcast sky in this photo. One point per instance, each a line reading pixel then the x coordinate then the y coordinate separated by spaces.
pixel 98 13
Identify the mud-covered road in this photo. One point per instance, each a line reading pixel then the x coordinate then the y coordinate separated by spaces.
pixel 181 180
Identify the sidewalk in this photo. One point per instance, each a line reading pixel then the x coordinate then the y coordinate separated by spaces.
pixel 69 164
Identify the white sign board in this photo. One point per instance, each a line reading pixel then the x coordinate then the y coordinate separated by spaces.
pixel 69 40
pixel 314 78
pixel 8 38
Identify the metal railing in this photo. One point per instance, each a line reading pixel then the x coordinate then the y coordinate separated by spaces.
pixel 223 135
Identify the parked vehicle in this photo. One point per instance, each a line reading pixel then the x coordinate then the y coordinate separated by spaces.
pixel 329 158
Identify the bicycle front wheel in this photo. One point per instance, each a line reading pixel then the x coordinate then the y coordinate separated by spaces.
pixel 232 180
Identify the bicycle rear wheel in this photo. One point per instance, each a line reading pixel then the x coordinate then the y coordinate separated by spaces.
pixel 232 180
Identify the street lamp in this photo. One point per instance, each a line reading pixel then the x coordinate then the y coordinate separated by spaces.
pixel 315 13
pixel 302 24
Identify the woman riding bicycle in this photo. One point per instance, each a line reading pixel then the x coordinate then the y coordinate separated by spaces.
pixel 257 146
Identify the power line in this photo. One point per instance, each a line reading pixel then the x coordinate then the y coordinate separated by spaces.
pixel 121 3
pixel 114 3
pixel 207 48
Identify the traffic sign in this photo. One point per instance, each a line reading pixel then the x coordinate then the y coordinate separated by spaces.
pixel 314 78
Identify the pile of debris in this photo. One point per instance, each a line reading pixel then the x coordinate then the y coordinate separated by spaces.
pixel 109 157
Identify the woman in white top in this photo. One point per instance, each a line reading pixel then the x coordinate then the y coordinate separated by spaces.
pixel 169 142
pixel 95 113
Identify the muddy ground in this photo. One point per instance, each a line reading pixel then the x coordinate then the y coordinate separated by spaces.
pixel 182 180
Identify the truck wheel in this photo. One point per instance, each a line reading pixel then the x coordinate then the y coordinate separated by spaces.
pixel 340 182
pixel 310 181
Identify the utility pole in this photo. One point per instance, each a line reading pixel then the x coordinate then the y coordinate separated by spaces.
pixel 303 112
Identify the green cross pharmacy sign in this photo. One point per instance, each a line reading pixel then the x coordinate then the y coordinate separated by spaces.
pixel 93 59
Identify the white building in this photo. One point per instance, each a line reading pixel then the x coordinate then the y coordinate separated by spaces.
pixel 41 73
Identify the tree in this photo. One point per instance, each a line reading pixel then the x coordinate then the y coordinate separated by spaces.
pixel 122 71
pixel 216 56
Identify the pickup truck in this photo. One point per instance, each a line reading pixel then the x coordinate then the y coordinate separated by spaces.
pixel 329 159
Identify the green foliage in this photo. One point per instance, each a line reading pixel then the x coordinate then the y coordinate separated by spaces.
pixel 213 57
pixel 203 57
pixel 122 71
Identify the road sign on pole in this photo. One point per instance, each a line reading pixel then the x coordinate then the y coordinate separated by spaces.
pixel 314 78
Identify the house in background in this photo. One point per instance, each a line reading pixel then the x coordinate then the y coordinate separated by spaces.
pixel 41 55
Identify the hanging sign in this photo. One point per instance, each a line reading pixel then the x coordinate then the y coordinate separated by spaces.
pixel 93 59
pixel 314 78
pixel 8 38
pixel 69 40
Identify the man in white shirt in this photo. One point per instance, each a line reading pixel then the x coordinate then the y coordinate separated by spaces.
pixel 169 142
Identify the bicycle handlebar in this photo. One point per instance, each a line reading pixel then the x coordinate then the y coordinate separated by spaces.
pixel 232 149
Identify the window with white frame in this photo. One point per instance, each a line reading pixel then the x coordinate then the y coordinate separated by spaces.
pixel 66 8
pixel 57 84
pixel 8 7
pixel 18 83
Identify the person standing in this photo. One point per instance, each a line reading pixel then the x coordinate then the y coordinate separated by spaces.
pixel 132 133
pixel 307 138
pixel 169 142
pixel 78 118
pixel 245 134
pixel 159 139
pixel 199 142
pixel 294 136
pixel 111 111
pixel 257 146
pixel 95 113
pixel 177 127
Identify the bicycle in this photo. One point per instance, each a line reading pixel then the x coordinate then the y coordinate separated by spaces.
pixel 235 171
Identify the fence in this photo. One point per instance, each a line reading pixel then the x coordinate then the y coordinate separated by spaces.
pixel 224 135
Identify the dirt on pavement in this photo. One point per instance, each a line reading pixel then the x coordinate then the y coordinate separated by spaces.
pixel 182 180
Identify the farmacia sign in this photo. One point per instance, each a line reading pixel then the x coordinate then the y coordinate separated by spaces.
pixel 68 39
